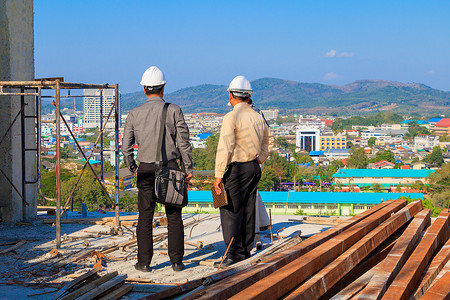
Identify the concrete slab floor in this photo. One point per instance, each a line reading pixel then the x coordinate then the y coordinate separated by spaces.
pixel 22 270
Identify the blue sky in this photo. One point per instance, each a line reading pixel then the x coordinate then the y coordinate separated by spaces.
pixel 196 42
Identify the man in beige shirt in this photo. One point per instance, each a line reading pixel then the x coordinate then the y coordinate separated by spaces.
pixel 244 143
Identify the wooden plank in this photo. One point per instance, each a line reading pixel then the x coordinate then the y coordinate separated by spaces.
pixel 363 267
pixel 12 248
pixel 239 281
pixel 395 260
pixel 440 290
pixel 436 265
pixel 403 285
pixel 75 282
pixel 326 278
pixel 93 285
pixel 116 294
pixel 356 286
pixel 103 288
pixel 172 291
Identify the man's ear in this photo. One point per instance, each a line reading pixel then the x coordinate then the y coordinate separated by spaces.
pixel 162 92
pixel 143 88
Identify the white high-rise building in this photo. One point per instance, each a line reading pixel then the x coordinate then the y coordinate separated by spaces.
pixel 91 108
pixel 308 138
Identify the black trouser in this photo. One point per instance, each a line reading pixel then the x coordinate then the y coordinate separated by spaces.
pixel 146 205
pixel 238 217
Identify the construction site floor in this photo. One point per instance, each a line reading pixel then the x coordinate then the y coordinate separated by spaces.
pixel 33 270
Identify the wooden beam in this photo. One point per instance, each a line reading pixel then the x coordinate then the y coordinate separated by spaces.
pixel 116 294
pixel 436 265
pixel 403 285
pixel 395 260
pixel 239 281
pixel 75 282
pixel 12 248
pixel 439 290
pixel 93 285
pixel 326 278
pixel 103 288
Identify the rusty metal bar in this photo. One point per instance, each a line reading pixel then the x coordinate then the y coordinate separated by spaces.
pixel 288 277
pixel 316 286
pixel 390 267
pixel 436 265
pixel 403 285
pixel 237 282
pixel 84 155
pixel 14 121
pixel 14 187
pixel 116 148
pixel 90 155
pixel 58 165
pixel 23 146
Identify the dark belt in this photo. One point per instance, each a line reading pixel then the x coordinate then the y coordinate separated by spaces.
pixel 241 163
pixel 159 163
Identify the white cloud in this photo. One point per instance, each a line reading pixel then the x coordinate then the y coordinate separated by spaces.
pixel 331 53
pixel 331 76
pixel 430 72
pixel 334 53
pixel 346 54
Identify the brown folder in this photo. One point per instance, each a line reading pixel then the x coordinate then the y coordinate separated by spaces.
pixel 219 200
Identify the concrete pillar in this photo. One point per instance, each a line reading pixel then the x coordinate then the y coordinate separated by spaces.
pixel 16 63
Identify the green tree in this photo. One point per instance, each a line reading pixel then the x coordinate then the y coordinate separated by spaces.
pixel 386 155
pixel 376 187
pixel 435 157
pixel 48 181
pixel 414 130
pixel 87 191
pixel 357 159
pixel 371 141
pixel 204 159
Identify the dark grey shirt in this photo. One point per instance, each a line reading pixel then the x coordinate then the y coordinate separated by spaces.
pixel 142 128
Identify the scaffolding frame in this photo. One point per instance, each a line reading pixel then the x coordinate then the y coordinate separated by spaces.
pixel 34 88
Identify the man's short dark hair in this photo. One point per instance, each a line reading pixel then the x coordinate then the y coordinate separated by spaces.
pixel 153 90
pixel 245 99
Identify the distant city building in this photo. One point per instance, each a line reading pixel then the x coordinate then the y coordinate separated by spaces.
pixel 312 123
pixel 425 141
pixel 442 127
pixel 378 132
pixel 91 108
pixel 270 114
pixel 386 178
pixel 333 142
pixel 308 138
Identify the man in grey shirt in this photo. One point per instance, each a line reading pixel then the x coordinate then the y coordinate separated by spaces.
pixel 142 128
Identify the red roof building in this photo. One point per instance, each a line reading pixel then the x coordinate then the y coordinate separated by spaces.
pixel 442 127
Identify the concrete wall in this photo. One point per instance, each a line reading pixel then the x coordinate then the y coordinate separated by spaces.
pixel 16 63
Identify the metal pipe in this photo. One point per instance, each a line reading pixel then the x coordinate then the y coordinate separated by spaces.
pixel 58 165
pixel 85 165
pixel 101 135
pixel 116 147
pixel 22 138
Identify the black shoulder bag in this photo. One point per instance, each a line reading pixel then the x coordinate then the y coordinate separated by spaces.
pixel 170 185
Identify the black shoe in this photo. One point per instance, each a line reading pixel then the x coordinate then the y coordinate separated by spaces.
pixel 142 268
pixel 228 262
pixel 177 267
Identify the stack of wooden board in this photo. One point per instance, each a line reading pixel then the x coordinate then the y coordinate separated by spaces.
pixel 391 251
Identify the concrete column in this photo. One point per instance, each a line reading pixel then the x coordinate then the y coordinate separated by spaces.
pixel 16 63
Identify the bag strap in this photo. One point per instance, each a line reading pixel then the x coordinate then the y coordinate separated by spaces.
pixel 162 131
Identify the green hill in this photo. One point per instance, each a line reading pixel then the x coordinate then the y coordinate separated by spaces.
pixel 364 96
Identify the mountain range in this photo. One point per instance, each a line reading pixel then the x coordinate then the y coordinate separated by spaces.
pixel 292 96
pixel 361 97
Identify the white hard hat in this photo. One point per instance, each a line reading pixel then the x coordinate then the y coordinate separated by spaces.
pixel 153 76
pixel 240 86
